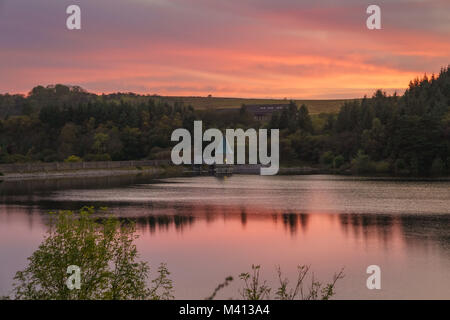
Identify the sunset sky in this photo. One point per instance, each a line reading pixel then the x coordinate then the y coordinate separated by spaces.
pixel 232 48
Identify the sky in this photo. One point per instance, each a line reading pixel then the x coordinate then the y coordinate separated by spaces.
pixel 229 48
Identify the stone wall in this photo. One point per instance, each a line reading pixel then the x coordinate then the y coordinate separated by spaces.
pixel 61 166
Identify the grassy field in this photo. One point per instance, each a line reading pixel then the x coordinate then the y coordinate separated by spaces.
pixel 203 103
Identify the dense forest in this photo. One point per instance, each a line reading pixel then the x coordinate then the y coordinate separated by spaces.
pixel 403 135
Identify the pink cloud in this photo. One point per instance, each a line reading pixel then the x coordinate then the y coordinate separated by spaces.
pixel 230 48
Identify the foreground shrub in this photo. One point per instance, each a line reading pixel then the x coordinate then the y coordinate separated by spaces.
pixel 255 289
pixel 105 253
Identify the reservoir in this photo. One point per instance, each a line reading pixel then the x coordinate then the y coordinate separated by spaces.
pixel 207 228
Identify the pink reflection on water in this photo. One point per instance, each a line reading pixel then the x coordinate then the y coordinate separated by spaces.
pixel 204 243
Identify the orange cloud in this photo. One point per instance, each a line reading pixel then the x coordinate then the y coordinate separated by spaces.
pixel 275 49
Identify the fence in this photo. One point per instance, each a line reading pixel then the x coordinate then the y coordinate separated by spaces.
pixel 59 166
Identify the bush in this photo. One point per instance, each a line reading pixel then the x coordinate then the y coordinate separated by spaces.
pixel 73 158
pixel 327 158
pixel 437 168
pixel 414 166
pixel 361 163
pixel 400 167
pixel 105 253
pixel 159 154
pixel 256 289
pixel 97 157
pixel 382 167
pixel 48 155
pixel 15 158
pixel 338 161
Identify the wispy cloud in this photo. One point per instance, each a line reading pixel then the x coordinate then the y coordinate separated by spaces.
pixel 252 48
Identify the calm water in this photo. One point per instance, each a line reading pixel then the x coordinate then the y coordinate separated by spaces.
pixel 206 228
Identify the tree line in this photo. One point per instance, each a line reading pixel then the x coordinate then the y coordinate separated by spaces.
pixel 405 134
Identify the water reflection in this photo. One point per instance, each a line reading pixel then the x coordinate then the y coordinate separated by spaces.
pixel 207 228
pixel 164 217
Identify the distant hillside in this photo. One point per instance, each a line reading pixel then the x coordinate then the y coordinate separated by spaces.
pixel 65 96
pixel 202 103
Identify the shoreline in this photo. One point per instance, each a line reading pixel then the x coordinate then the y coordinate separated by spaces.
pixel 90 173
pixel 177 171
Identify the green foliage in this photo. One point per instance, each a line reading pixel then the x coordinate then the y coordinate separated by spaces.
pixel 287 149
pixel 254 288
pixel 162 288
pixel 438 167
pixel 317 290
pixel 54 122
pixel 158 153
pixel 15 158
pixel 361 164
pixel 97 157
pixel 73 158
pixel 100 142
pixel 257 289
pixel 304 119
pixel 338 161
pixel 400 167
pixel 327 158
pixel 104 250
pixel 106 254
pixel 382 167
